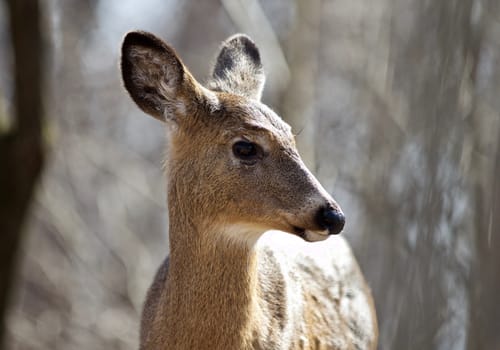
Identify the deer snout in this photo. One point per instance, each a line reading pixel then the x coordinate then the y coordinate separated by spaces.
pixel 331 219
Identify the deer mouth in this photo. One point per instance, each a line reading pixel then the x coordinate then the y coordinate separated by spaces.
pixel 310 235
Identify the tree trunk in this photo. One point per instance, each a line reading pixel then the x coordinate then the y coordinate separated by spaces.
pixel 484 282
pixel 299 106
pixel 484 323
pixel 21 151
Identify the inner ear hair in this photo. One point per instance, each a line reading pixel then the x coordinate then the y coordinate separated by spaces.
pixel 238 68
pixel 152 73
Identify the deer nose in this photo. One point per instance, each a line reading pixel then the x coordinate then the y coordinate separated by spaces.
pixel 332 220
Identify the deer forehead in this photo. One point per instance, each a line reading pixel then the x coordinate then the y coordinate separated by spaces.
pixel 255 121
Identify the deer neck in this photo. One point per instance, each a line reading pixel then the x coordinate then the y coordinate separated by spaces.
pixel 212 283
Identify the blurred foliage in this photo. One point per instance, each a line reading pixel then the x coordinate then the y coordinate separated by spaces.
pixel 396 106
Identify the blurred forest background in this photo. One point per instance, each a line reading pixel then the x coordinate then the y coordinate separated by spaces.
pixel 397 104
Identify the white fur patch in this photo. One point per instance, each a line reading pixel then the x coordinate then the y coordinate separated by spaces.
pixel 246 234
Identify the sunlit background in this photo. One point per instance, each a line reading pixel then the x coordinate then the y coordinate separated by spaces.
pixel 396 106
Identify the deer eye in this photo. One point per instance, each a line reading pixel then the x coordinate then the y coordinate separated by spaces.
pixel 246 151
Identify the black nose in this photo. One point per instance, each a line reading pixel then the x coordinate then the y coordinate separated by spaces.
pixel 332 220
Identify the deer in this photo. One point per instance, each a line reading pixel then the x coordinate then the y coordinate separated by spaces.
pixel 255 259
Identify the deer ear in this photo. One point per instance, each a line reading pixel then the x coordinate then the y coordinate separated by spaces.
pixel 156 78
pixel 238 68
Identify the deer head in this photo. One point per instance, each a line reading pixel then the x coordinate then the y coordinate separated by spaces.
pixel 232 160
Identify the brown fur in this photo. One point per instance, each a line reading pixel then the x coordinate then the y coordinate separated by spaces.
pixel 232 281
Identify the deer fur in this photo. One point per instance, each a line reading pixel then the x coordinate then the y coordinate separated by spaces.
pixel 242 272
